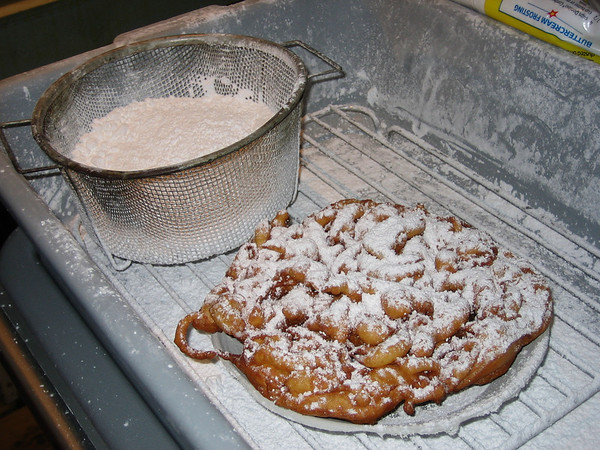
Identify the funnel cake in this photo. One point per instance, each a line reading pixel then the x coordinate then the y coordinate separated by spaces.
pixel 365 306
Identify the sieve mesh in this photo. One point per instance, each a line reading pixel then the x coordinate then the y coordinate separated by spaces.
pixel 203 207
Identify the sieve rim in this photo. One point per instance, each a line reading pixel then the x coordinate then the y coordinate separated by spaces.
pixel 40 112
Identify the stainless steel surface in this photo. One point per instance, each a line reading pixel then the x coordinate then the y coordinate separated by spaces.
pixel 440 106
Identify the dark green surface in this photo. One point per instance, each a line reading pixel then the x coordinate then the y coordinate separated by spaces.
pixel 64 28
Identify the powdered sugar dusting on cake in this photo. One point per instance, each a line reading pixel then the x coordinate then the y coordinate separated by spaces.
pixel 160 132
pixel 374 305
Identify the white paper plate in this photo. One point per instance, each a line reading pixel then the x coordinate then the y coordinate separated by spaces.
pixel 475 401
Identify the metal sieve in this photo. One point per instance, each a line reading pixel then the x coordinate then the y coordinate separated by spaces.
pixel 202 207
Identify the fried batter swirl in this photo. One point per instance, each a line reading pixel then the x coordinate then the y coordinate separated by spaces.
pixel 365 306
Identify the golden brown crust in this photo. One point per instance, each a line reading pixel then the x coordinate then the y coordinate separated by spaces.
pixel 365 306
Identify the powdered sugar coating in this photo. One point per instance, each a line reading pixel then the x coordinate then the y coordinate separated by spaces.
pixel 159 132
pixel 364 306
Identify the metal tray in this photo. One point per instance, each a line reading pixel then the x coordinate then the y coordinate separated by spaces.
pixel 440 106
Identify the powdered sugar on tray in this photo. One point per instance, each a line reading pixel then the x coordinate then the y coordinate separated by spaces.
pixel 160 132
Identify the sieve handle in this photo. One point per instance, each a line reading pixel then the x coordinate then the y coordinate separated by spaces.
pixel 335 67
pixel 42 171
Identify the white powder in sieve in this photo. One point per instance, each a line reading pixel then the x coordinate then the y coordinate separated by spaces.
pixel 164 131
